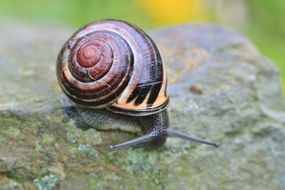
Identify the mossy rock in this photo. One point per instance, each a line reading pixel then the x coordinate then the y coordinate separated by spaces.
pixel 221 88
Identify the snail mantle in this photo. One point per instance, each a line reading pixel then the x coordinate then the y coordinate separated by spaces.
pixel 219 86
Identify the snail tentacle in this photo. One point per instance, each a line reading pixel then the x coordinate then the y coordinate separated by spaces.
pixel 177 134
pixel 148 137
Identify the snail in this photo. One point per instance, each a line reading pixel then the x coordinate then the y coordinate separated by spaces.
pixel 114 65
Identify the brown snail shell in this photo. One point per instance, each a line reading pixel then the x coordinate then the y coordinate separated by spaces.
pixel 115 65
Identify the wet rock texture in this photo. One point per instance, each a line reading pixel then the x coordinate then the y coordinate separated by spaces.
pixel 221 88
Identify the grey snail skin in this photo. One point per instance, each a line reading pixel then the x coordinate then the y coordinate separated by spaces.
pixel 111 64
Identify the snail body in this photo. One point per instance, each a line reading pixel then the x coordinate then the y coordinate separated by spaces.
pixel 115 65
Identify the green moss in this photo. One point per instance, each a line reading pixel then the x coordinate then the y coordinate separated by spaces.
pixel 73 149
pixel 7 120
pixel 20 174
pixel 48 139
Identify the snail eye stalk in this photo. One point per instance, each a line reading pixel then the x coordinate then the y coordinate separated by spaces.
pixel 135 142
pixel 177 134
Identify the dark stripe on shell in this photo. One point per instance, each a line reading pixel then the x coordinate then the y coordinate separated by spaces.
pixel 142 93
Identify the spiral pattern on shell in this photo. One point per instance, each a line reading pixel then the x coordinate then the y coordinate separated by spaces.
pixel 115 65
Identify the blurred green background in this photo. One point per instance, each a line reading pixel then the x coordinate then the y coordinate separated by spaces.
pixel 262 20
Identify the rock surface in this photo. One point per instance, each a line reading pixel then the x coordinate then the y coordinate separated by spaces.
pixel 220 88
